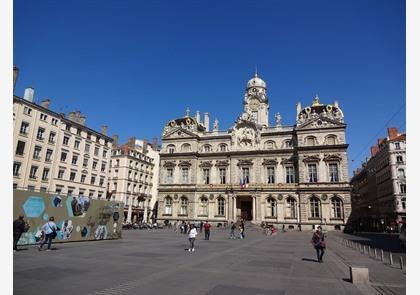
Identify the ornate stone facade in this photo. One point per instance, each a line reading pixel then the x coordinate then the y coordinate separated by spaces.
pixel 293 175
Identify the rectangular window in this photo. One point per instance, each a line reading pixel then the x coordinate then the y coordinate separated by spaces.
pixel 206 175
pixel 16 168
pixel 184 175
pixel 45 173
pixel 397 145
pixel 60 174
pixel 79 132
pixel 169 175
pixel 24 127
pixel 40 133
pixel 76 144
pixel 37 152
pixel 54 122
pixel 103 167
pixel 33 171
pixel 58 189
pixel 66 140
pixel 74 160
pixel 245 175
pixel 27 111
pixel 51 138
pixel 31 188
pixel 222 175
pixel 43 117
pixel 20 148
pixel 63 156
pixel 94 164
pixel 312 172
pixel 403 188
pixel 270 175
pixel 48 155
pixel 290 174
pixel 72 176
pixel 69 192
pixel 104 154
pixel 399 159
pixel 96 152
pixel 87 148
pixel 83 178
pixel 68 127
pixel 333 168
pixel 43 189
pixel 101 181
pixel 85 162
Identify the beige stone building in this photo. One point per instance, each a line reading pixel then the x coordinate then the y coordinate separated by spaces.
pixel 295 175
pixel 55 153
pixel 134 178
pixel 379 186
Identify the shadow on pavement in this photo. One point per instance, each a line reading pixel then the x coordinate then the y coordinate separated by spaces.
pixel 310 259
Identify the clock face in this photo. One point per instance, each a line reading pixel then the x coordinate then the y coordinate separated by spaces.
pixel 253 104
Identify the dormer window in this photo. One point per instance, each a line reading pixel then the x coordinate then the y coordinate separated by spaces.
pixel 171 148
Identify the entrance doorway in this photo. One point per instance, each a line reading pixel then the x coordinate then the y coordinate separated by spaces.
pixel 245 207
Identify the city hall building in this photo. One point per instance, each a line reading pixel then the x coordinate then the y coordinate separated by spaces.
pixel 294 175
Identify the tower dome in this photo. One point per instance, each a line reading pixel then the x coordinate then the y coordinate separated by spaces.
pixel 256 82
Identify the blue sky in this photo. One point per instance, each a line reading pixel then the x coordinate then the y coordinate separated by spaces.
pixel 135 65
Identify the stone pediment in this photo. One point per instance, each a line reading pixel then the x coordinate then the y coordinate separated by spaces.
pixel 169 164
pixel 220 163
pixel 205 164
pixel 320 122
pixel 311 158
pixel 287 160
pixel 185 163
pixel 245 162
pixel 270 162
pixel 178 132
pixel 332 157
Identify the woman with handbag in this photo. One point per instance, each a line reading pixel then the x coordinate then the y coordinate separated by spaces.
pixel 318 241
pixel 50 230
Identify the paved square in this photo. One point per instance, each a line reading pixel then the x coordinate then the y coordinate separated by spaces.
pixel 155 262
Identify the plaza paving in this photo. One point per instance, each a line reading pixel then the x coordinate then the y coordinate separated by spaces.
pixel 155 262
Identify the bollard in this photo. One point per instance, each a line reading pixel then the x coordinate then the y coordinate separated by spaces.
pixel 376 254
pixel 390 259
pixel 364 250
pixel 382 255
pixel 359 275
pixel 401 262
pixel 369 251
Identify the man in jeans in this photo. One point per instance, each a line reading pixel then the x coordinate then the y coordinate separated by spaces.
pixel 207 230
pixel 18 228
pixel 50 229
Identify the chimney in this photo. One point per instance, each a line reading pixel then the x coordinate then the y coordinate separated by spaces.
pixel 29 94
pixel 72 116
pixel 77 115
pixel 45 103
pixel 15 76
pixel 374 150
pixel 115 140
pixel 131 142
pixel 155 143
pixel 82 120
pixel 207 121
pixel 144 145
pixel 197 117
pixel 392 133
pixel 104 129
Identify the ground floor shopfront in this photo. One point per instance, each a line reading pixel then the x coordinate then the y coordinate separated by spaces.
pixel 293 210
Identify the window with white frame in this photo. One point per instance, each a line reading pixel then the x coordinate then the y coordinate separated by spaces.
pixel 222 175
pixel 168 206
pixel 16 168
pixel 186 147
pixel 331 140
pixel 290 174
pixel 397 145
pixel 48 155
pixel 333 171
pixel 271 175
pixel 206 175
pixel 291 208
pixel 221 206
pixel 399 159
pixel 171 148
pixel 207 148
pixel 184 206
pixel 403 188
pixel 315 206
pixel 310 141
pixel 60 174
pixel 66 140
pixel 24 127
pixel 169 175
pixel 312 173
pixel 45 173
pixel 32 173
pixel 40 133
pixel 223 147
pixel 37 152
pixel 337 208
pixel 204 206
pixel 185 175
pixel 245 174
pixel 269 145
pixel 51 137
pixel 271 207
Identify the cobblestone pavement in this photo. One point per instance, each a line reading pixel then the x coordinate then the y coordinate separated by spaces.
pixel 155 262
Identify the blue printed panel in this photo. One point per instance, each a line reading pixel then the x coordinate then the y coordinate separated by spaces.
pixel 34 206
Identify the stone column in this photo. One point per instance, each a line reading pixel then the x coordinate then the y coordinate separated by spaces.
pixel 254 208
pixel 234 207
pixel 145 217
pixel 130 209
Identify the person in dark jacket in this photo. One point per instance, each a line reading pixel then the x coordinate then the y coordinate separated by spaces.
pixel 318 241
pixel 19 226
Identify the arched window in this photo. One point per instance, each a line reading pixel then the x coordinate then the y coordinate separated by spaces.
pixel 401 173
pixel 168 205
pixel 291 211
pixel 171 148
pixel 223 147
pixel 336 208
pixel 204 206
pixel 184 206
pixel 186 147
pixel 207 148
pixel 221 206
pixel 271 207
pixel 270 145
pixel 315 205
pixel 288 143
pixel 310 141
pixel 331 139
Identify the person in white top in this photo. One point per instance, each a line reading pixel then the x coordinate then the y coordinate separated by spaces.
pixel 192 233
pixel 50 229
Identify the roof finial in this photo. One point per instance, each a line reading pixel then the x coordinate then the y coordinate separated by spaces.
pixel 187 112
pixel 256 71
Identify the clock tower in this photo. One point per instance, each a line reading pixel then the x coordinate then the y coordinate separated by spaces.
pixel 256 101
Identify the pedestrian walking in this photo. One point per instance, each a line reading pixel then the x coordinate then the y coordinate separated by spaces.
pixel 242 229
pixel 318 241
pixel 232 231
pixel 19 226
pixel 50 230
pixel 192 233
pixel 207 227
pixel 283 228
